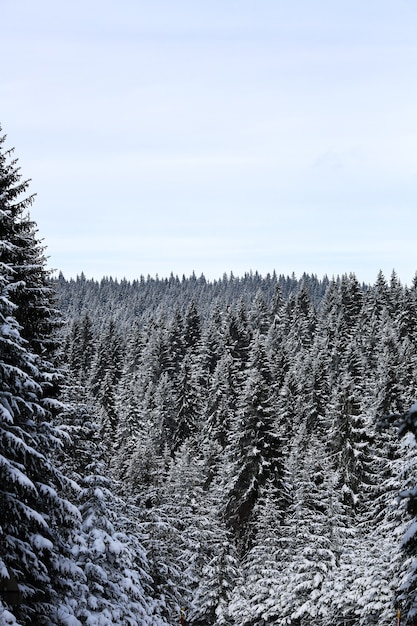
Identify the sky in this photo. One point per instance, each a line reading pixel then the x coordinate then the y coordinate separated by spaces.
pixel 180 136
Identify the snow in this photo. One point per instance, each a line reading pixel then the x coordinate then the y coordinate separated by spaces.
pixel 41 543
pixel 116 547
pixel 5 412
pixel 15 475
pixel 7 618
pixel 33 515
pixel 98 493
pixel 66 618
pixel 412 409
pixel 47 490
pixel 410 532
pixel 99 546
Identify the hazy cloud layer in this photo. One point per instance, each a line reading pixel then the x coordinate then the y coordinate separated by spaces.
pixel 216 137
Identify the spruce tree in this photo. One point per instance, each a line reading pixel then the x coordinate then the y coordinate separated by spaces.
pixel 35 517
pixel 255 449
pixel 406 596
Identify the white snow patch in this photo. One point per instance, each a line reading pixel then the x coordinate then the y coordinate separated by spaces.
pixel 411 531
pixel 413 408
pixel 66 618
pixel 41 543
pixel 7 618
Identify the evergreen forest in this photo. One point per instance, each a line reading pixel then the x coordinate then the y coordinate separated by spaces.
pixel 240 449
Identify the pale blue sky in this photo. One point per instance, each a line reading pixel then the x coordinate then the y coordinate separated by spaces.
pixel 216 136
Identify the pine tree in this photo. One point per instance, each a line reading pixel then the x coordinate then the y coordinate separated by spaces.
pixel 259 314
pixel 35 517
pixel 237 335
pixel 192 327
pixel 80 349
pixel 255 448
pixel 222 400
pixel 318 526
pixel 212 597
pixel 213 340
pixel 108 359
pixel 406 596
pixel 267 566
pixel 114 584
pixel 188 399
pixel 302 319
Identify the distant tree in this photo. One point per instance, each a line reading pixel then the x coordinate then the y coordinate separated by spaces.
pixel 176 341
pixel 106 373
pixel 266 567
pixel 155 356
pixel 222 400
pixel 80 349
pixel 302 319
pixel 192 326
pixel 213 340
pixel 318 525
pixel 177 526
pixel 125 425
pixel 259 314
pixel 351 299
pixel 407 319
pixel 349 434
pixel 255 447
pixel 237 334
pixel 164 413
pixel 109 417
pixel 188 403
pixel 108 359
pixel 394 370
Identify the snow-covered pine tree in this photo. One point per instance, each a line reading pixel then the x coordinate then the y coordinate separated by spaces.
pixel 255 449
pixel 106 373
pixel 266 567
pixel 80 349
pixel 188 400
pixel 221 401
pixel 259 314
pixel 406 595
pixel 216 582
pixel 237 335
pixel 115 585
pixel 34 516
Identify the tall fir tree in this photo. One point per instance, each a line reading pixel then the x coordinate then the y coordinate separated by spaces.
pixel 35 517
pixel 255 449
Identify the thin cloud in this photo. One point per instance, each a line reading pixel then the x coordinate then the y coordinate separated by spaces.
pixel 183 137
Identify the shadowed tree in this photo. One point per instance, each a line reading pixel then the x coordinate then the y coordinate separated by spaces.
pixel 36 519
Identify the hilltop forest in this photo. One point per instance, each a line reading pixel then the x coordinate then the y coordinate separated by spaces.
pixel 217 446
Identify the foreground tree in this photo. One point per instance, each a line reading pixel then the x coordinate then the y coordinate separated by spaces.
pixel 35 517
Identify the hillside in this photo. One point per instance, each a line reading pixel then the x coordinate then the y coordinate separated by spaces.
pixel 242 418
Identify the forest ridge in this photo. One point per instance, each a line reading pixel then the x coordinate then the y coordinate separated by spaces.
pixel 270 390
pixel 216 446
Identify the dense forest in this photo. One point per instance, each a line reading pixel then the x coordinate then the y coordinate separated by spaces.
pixel 243 449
